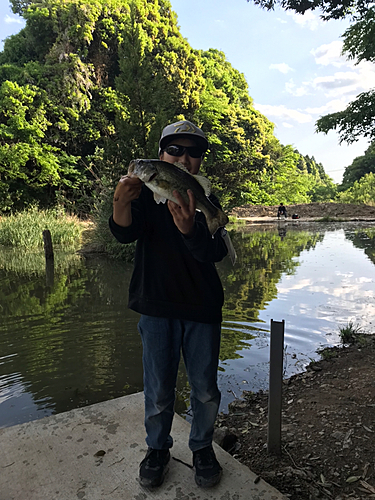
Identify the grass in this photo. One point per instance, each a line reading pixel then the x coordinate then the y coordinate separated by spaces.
pixel 327 218
pixel 351 334
pixel 236 221
pixel 25 229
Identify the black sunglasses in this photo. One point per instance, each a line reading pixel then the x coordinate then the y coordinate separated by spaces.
pixel 175 150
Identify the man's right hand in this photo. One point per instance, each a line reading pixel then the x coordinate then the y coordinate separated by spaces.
pixel 128 189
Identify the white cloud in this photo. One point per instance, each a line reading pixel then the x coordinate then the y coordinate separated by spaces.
pixel 330 54
pixel 287 125
pixel 346 83
pixel 284 113
pixel 330 107
pixel 292 88
pixel 306 20
pixel 282 67
pixel 10 20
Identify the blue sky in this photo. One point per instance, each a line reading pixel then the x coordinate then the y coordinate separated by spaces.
pixel 292 64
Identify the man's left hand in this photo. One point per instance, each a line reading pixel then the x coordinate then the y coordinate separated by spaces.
pixel 183 213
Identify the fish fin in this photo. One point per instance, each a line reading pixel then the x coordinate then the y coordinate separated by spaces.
pixel 220 219
pixel 181 167
pixel 228 242
pixel 159 199
pixel 205 183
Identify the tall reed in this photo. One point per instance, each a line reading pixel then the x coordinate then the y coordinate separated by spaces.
pixel 25 229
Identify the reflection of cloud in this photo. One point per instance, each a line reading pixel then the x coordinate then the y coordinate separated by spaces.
pixel 306 20
pixel 282 67
pixel 297 285
pixel 283 113
pixel 10 20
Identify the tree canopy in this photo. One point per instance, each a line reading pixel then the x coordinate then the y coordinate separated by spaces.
pixel 88 85
pixel 329 9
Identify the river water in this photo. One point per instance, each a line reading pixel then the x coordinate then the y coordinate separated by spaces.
pixel 72 342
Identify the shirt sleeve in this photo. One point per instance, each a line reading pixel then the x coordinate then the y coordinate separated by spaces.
pixel 133 232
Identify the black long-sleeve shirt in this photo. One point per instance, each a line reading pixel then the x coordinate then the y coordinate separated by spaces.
pixel 174 276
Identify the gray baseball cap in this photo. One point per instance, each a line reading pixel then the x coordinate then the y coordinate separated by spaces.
pixel 183 128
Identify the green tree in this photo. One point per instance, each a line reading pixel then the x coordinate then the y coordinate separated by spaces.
pixel 239 135
pixel 362 191
pixel 360 166
pixel 159 73
pixel 330 9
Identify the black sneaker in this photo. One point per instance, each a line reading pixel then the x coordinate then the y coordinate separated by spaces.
pixel 152 469
pixel 207 469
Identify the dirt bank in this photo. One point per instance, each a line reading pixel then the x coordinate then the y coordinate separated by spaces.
pixel 308 211
pixel 328 430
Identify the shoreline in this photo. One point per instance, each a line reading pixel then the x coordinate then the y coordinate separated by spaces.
pixel 328 429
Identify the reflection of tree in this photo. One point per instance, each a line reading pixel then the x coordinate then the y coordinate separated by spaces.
pixel 262 258
pixel 363 238
pixel 75 343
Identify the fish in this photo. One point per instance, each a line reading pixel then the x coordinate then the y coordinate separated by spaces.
pixel 163 178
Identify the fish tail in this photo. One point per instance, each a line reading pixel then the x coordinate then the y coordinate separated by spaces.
pixel 219 219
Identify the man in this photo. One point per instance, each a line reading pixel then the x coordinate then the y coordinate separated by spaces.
pixel 281 211
pixel 176 289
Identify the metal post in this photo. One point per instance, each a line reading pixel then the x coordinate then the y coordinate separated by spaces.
pixel 275 387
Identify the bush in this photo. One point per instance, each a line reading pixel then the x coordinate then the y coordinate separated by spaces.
pixel 25 229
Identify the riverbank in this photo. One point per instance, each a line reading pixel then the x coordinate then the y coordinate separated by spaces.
pixel 307 211
pixel 328 430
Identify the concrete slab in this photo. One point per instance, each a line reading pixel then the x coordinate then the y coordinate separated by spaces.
pixel 93 453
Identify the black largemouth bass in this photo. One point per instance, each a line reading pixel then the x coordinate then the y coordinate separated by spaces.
pixel 163 178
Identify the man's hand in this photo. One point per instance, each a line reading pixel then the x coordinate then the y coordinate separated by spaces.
pixel 183 214
pixel 128 189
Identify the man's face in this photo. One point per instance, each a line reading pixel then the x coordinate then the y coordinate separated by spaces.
pixel 192 164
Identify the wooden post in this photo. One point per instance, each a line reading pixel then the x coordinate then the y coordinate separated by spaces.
pixel 48 249
pixel 48 252
pixel 275 387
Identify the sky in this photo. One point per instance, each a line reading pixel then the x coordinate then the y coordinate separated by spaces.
pixel 292 64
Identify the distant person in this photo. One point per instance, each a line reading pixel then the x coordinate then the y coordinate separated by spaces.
pixel 281 211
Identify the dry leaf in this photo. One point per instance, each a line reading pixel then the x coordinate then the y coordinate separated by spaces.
pixel 353 479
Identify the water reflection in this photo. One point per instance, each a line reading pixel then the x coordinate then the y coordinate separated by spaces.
pixel 75 343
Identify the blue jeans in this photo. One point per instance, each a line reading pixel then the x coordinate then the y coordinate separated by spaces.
pixel 162 340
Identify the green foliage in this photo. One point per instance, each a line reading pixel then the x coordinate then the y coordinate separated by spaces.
pixel 331 9
pixel 350 334
pixel 361 166
pixel 88 85
pixel 362 191
pixel 25 229
pixel 356 121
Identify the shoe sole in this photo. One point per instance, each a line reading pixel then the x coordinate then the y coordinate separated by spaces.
pixel 208 483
